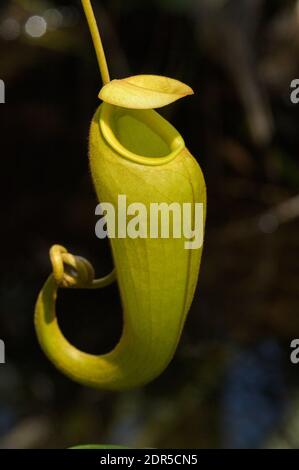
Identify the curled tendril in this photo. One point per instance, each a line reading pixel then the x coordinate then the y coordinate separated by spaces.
pixel 70 271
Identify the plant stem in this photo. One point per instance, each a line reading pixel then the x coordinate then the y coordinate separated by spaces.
pixel 97 41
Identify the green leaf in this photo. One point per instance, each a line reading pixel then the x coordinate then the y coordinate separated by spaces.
pixel 96 446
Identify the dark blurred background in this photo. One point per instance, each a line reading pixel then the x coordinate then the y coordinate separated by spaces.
pixel 231 383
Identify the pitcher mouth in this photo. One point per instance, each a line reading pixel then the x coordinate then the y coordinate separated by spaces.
pixel 142 136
